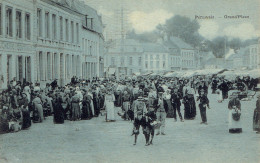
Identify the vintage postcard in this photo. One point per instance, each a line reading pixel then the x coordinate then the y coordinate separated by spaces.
pixel 131 81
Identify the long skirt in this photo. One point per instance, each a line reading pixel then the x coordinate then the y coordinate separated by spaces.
pixel 86 112
pixel 126 107
pixel 26 119
pixel 58 116
pixel 190 109
pixel 170 113
pixel 256 120
pixel 233 125
pixel 75 111
pixel 4 126
pixel 110 108
pixel 38 113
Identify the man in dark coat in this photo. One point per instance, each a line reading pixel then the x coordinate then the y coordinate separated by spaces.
pixel 224 88
pixel 176 103
pixel 204 102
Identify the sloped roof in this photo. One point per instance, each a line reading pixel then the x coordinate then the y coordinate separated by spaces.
pixel 80 8
pixel 154 47
pixel 180 43
pixel 128 45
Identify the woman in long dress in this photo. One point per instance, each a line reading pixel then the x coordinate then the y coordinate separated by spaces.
pixel 109 105
pixel 256 117
pixel 234 107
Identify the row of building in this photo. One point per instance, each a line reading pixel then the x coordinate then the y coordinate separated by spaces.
pixel 43 40
pixel 244 58
pixel 125 57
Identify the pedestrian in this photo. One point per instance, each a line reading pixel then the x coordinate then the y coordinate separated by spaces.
pixel 109 106
pixel 167 100
pixel 161 112
pixel 58 113
pixel 234 117
pixel 75 107
pixel 139 112
pixel 189 103
pixel 256 117
pixel 176 104
pixel 38 109
pixel 204 103
pixel 149 125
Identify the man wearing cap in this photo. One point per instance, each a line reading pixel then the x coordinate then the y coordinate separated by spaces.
pixel 139 111
pixel 160 113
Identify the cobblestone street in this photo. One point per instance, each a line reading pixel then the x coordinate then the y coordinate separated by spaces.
pixel 98 141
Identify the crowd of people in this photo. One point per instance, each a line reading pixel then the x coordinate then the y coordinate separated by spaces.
pixel 146 101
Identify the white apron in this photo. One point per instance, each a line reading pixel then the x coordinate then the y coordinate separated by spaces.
pixel 232 124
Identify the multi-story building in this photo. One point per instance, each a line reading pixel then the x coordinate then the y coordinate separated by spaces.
pixel 43 40
pixel 181 54
pixel 186 52
pixel 17 42
pixel 155 58
pixel 254 56
pixel 92 44
pixel 123 57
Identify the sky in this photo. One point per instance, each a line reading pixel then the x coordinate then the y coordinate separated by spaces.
pixel 145 15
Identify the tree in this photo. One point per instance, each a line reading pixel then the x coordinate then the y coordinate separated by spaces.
pixel 218 46
pixel 235 43
pixel 184 28
pixel 145 37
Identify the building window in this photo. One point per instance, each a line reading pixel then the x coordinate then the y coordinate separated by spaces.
pixel 164 57
pixel 61 28
pixel 39 22
pixel 146 56
pixel 27 26
pixel 146 64
pixel 72 31
pixel 47 22
pixel 54 26
pixel 67 29
pixel 157 56
pixel 9 23
pixel 90 50
pixel 163 64
pixel 139 61
pixel 18 23
pixel 0 19
pixel 151 64
pixel 77 35
pixel 130 61
pixel 157 64
pixel 131 71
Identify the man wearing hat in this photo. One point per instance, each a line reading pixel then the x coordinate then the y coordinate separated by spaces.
pixel 161 111
pixel 204 102
pixel 176 103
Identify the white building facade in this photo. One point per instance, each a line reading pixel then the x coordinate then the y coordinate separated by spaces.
pixel 43 40
pixel 16 41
